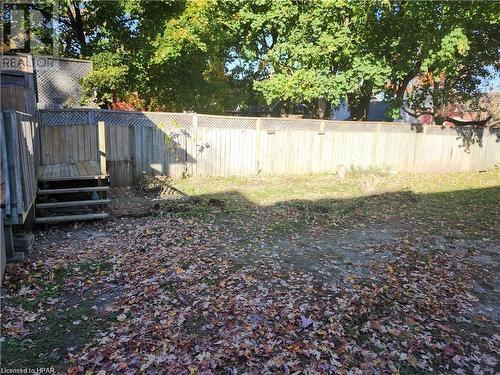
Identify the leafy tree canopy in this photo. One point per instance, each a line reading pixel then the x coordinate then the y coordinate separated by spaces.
pixel 205 55
pixel 353 50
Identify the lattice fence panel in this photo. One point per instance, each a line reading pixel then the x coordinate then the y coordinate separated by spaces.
pixel 219 122
pixel 64 117
pixel 151 119
pixel 169 121
pixel 58 81
pixel 290 125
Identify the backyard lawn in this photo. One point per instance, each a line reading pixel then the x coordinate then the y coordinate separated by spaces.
pixel 372 273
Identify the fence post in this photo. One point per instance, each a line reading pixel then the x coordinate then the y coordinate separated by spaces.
pixel 376 146
pixel 257 145
pixel 133 152
pixel 195 121
pixel 101 135
pixel 91 117
pixel 194 136
pixel 320 163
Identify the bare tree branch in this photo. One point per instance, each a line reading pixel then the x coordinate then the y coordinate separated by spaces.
pixel 457 122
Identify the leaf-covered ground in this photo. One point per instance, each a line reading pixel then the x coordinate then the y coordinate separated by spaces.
pixel 268 275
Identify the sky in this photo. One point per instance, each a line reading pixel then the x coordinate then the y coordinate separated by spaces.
pixel 491 84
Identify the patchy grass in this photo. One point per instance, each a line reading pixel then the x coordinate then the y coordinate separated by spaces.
pixel 460 201
pixel 57 322
pixel 267 191
pixel 57 333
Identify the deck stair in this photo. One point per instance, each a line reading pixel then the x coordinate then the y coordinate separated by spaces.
pixel 71 192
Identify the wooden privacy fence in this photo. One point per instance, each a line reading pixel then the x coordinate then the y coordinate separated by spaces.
pixel 19 148
pixel 178 144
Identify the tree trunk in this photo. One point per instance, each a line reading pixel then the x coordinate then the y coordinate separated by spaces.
pixel 359 103
pixel 359 106
pixel 76 23
pixel 322 107
pixel 401 87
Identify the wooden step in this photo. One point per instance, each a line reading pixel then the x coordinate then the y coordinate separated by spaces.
pixel 73 190
pixel 92 202
pixel 58 219
pixel 71 178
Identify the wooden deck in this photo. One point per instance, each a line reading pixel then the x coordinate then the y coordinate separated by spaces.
pixel 81 170
pixel 71 192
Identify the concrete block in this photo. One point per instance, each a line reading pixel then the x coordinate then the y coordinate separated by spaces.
pixel 24 243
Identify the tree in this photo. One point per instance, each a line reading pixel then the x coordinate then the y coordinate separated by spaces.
pixel 204 55
pixel 352 50
pixel 175 53
pixel 187 56
pixel 310 50
pixel 107 81
pixel 441 49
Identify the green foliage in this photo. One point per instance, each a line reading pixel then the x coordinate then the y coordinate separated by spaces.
pixel 352 50
pixel 322 50
pixel 107 80
pixel 205 55
pixel 449 44
pixel 189 57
